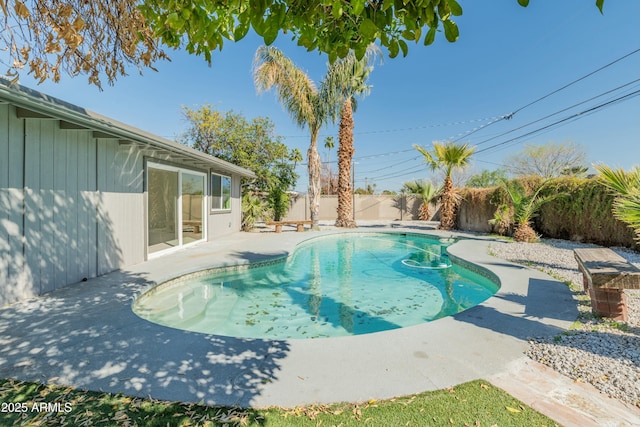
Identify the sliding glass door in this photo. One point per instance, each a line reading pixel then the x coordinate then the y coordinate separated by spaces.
pixel 192 207
pixel 175 207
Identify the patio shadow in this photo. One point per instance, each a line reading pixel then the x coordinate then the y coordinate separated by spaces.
pixel 88 337
pixel 546 310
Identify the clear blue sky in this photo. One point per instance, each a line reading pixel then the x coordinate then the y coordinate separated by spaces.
pixel 507 57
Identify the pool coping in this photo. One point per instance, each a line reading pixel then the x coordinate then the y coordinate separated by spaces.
pixel 86 336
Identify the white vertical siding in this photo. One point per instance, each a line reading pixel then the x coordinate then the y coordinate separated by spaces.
pixel 82 201
pixel 120 208
pixel 72 206
pixel 15 275
pixel 6 225
pixel 32 199
pixel 89 199
pixel 60 220
pixel 60 207
pixel 48 245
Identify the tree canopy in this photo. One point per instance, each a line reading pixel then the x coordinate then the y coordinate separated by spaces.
pixel 250 144
pixel 93 38
pixel 334 27
pixel 486 178
pixel 548 160
pixel 102 37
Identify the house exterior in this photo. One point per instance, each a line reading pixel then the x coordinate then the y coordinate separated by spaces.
pixel 82 195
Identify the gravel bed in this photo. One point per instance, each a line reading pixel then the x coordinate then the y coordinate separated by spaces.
pixel 601 352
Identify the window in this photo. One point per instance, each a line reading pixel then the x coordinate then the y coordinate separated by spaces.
pixel 220 192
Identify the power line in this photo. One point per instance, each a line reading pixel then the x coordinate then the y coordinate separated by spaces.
pixel 465 134
pixel 392 166
pixel 510 115
pixel 561 121
pixel 565 120
pixel 397 175
pixel 557 112
pixel 575 81
pixel 436 125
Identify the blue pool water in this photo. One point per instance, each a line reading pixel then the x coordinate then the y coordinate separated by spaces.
pixel 347 284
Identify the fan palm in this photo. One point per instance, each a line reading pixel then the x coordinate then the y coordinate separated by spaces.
pixel 447 157
pixel 525 208
pixel 302 99
pixel 253 208
pixel 426 192
pixel 626 188
pixel 346 79
pixel 329 144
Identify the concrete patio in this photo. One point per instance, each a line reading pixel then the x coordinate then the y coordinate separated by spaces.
pixel 87 336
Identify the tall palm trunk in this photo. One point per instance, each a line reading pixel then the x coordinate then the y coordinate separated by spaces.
pixel 345 154
pixel 448 207
pixel 314 179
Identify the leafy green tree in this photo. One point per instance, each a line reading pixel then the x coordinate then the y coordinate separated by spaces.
pixel 368 190
pixel 334 27
pixel 278 201
pixel 549 160
pixel 250 144
pixel 105 36
pixel 447 157
pixel 487 178
pixel 626 188
pixel 426 192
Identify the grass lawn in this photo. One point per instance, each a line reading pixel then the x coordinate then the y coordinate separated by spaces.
pixel 476 403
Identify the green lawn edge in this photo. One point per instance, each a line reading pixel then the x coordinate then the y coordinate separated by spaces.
pixel 476 403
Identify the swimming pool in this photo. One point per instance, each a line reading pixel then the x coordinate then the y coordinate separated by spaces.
pixel 337 285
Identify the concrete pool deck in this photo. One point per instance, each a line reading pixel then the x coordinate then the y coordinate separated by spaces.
pixel 87 336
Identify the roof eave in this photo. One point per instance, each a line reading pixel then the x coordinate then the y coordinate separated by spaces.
pixel 58 109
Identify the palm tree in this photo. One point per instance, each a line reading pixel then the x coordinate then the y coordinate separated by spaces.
pixel 295 157
pixel 345 80
pixel 253 208
pixel 329 143
pixel 447 157
pixel 300 96
pixel 426 192
pixel 525 208
pixel 626 188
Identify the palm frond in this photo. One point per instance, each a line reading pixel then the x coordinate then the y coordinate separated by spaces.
pixel 425 190
pixel 297 93
pixel 618 180
pixel 346 78
pixel 448 156
pixel 431 161
pixel 626 188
